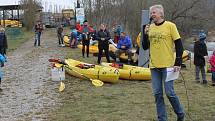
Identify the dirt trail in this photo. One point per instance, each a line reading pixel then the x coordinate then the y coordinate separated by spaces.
pixel 28 92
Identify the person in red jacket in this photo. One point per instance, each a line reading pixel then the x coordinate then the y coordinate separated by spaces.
pixel 78 26
pixel 212 62
pixel 86 32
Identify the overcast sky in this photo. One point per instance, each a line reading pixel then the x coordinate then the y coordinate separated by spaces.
pixel 47 4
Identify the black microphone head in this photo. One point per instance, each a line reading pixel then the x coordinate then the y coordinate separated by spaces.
pixel 150 20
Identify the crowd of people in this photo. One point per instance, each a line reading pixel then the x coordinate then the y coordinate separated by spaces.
pixel 84 34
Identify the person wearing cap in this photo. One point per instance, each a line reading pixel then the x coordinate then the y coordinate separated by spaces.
pixel 124 46
pixel 38 28
pixel 86 32
pixel 162 38
pixel 117 33
pixel 200 56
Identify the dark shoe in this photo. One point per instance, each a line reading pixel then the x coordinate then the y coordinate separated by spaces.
pixel 1 89
pixel 98 62
pixel 213 84
pixel 204 82
pixel 197 81
pixel 129 62
pixel 180 118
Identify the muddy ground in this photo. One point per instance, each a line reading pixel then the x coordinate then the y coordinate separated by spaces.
pixel 28 92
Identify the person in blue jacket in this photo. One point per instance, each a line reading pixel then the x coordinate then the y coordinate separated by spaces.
pixel 2 61
pixel 73 37
pixel 124 46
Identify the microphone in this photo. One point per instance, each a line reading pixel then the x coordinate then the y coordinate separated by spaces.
pixel 150 20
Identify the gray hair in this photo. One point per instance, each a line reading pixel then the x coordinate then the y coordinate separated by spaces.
pixel 159 8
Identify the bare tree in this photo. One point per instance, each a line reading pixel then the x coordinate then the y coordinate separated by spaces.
pixel 31 8
pixel 187 14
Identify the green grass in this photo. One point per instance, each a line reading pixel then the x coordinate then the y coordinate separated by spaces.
pixel 129 100
pixel 17 36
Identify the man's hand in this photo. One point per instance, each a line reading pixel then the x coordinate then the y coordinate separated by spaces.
pixel 146 29
pixel 206 58
pixel 102 39
pixel 123 47
pixel 177 68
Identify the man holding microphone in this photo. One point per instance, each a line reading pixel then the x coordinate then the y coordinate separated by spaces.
pixel 162 38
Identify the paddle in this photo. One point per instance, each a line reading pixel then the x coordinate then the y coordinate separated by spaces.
pixel 95 82
pixel 62 86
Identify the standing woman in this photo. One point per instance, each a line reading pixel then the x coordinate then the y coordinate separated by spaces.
pixel 103 36
pixel 162 38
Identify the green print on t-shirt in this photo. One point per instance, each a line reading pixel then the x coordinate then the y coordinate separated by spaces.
pixel 156 38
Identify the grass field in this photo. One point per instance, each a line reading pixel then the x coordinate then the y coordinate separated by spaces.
pixel 130 100
pixel 126 100
pixel 17 36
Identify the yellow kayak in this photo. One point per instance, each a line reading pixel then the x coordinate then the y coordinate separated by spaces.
pixel 93 49
pixel 131 72
pixel 91 71
pixel 66 40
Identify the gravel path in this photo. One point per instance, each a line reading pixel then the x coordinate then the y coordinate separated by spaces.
pixel 28 92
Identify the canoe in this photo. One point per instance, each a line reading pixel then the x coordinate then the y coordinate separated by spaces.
pixel 129 72
pixel 92 71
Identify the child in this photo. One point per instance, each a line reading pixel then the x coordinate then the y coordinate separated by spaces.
pixel 2 60
pixel 212 62
pixel 200 54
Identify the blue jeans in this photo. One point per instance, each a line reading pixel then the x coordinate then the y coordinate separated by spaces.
pixel 202 69
pixel 213 76
pixel 37 38
pixel 158 78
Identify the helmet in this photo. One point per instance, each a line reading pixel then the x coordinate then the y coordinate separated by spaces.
pixel 202 35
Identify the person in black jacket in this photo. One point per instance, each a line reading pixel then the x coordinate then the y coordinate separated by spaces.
pixel 3 41
pixel 200 53
pixel 60 35
pixel 103 36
